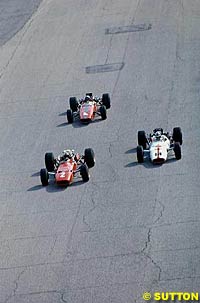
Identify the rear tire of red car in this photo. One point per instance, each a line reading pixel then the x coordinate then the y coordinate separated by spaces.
pixel 177 135
pixel 44 176
pixel 140 154
pixel 142 139
pixel 106 100
pixel 103 112
pixel 70 117
pixel 73 104
pixel 49 161
pixel 89 157
pixel 177 150
pixel 84 172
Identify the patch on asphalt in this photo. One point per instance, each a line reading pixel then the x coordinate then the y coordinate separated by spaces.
pixel 128 29
pixel 94 69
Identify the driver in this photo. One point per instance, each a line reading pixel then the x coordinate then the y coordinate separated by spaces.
pixel 158 135
pixel 87 98
pixel 66 154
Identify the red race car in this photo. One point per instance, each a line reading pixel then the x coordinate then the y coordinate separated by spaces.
pixel 86 109
pixel 64 168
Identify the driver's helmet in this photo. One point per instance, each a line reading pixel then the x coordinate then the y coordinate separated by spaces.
pixel 68 153
pixel 158 135
pixel 158 129
pixel 87 98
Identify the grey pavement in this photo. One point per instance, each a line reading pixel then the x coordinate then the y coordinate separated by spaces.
pixel 13 15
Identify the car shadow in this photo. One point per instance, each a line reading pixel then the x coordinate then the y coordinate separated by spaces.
pixel 78 124
pixel 34 188
pixel 131 164
pixel 147 164
pixel 62 114
pixel 171 160
pixel 77 183
pixel 62 124
pixel 37 174
pixel 53 188
pixel 131 151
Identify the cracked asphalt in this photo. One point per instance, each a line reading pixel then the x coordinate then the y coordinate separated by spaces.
pixel 132 228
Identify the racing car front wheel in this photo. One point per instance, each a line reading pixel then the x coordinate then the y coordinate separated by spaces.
pixel 89 157
pixel 103 112
pixel 106 100
pixel 73 104
pixel 177 135
pixel 44 177
pixel 49 161
pixel 177 150
pixel 140 154
pixel 84 172
pixel 142 139
pixel 70 117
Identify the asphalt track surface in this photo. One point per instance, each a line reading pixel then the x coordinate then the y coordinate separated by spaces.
pixel 13 15
pixel 131 228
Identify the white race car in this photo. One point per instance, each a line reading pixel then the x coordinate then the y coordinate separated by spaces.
pixel 156 146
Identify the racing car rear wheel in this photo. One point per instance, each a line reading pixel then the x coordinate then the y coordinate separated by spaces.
pixel 106 100
pixel 49 161
pixel 177 135
pixel 84 172
pixel 142 139
pixel 70 117
pixel 140 154
pixel 103 112
pixel 89 157
pixel 177 150
pixel 73 104
pixel 44 177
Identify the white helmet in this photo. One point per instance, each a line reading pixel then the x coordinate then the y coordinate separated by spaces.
pixel 158 134
pixel 68 153
pixel 87 98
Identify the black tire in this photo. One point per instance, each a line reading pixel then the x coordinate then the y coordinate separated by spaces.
pixel 103 112
pixel 142 139
pixel 177 135
pixel 89 157
pixel 49 161
pixel 44 176
pixel 84 172
pixel 177 150
pixel 140 154
pixel 70 117
pixel 73 103
pixel 106 100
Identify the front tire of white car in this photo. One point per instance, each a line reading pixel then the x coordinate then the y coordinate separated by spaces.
pixel 142 139
pixel 140 154
pixel 177 135
pixel 177 150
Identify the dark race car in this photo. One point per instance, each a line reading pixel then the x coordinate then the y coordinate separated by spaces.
pixel 66 166
pixel 86 109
